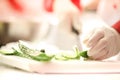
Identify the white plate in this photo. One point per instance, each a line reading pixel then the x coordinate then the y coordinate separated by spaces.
pixel 62 67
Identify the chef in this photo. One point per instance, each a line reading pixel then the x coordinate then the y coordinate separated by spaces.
pixel 59 23
pixel 66 28
pixel 104 41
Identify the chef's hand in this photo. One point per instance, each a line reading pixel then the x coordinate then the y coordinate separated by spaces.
pixel 102 42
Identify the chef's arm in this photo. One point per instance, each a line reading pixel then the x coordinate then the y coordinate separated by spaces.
pixel 116 26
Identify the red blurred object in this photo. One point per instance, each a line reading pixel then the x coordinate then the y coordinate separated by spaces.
pixel 15 5
pixel 116 26
pixel 77 4
pixel 48 5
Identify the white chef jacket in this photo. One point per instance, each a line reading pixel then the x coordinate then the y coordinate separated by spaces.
pixel 109 10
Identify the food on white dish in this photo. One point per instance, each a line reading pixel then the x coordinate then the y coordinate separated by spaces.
pixel 42 55
pixel 61 62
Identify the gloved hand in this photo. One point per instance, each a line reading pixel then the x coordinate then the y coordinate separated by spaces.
pixel 102 42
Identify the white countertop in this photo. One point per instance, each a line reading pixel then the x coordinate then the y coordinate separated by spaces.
pixel 9 73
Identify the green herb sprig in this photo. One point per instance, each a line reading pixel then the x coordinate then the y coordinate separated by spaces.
pixel 28 53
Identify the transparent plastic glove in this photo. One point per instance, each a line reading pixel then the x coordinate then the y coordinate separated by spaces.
pixel 103 42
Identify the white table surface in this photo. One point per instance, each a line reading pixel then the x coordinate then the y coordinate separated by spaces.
pixel 9 73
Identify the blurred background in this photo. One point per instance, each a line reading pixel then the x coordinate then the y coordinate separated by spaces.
pixel 54 22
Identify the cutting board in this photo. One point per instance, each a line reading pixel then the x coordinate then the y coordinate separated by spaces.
pixel 61 67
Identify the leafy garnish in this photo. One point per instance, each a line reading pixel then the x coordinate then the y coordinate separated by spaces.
pixel 42 57
pixel 21 54
pixel 78 55
pixel 84 54
pixel 27 52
